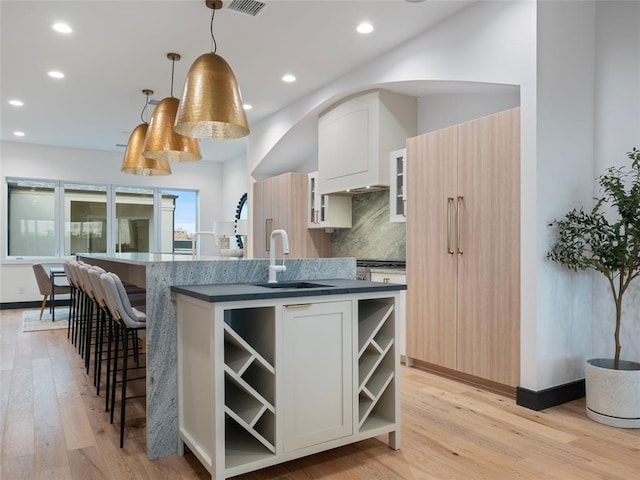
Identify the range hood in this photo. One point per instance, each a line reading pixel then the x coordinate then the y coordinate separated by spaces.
pixel 356 136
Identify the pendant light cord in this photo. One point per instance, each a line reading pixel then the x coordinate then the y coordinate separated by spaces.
pixel 173 66
pixel 214 45
pixel 146 102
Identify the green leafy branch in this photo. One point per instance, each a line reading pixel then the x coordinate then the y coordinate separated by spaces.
pixel 590 240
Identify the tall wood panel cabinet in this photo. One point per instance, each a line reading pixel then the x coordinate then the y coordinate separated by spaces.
pixel 280 202
pixel 463 248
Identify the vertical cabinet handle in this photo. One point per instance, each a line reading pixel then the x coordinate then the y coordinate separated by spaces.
pixel 404 208
pixel 449 204
pixel 315 216
pixel 268 224
pixel 460 199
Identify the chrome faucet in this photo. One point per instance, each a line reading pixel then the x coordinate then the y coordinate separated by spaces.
pixel 193 241
pixel 273 268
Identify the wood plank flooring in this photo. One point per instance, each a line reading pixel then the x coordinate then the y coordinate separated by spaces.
pixel 55 427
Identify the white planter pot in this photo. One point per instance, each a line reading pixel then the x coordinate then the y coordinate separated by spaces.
pixel 613 396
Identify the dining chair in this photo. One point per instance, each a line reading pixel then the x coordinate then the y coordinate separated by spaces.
pixel 46 287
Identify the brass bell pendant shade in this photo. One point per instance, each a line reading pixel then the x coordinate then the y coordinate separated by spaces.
pixel 135 164
pixel 211 105
pixel 162 141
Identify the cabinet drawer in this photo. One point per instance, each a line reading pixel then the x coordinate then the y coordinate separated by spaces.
pixel 398 278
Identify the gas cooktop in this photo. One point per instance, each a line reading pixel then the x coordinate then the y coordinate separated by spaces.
pixel 380 263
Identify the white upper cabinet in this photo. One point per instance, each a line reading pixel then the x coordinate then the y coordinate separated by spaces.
pixel 397 189
pixel 355 138
pixel 327 211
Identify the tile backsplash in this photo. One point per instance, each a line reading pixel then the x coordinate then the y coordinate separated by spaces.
pixel 372 235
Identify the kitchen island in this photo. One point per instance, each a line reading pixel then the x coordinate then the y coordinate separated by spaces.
pixel 157 273
pixel 272 372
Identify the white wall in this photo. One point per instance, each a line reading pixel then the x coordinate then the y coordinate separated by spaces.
pixel 443 110
pixel 92 166
pixel 588 117
pixel 236 184
pixel 566 66
pixel 492 42
pixel 617 130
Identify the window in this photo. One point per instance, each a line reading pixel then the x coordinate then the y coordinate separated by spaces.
pixel 31 218
pixel 48 218
pixel 85 216
pixel 179 210
pixel 134 220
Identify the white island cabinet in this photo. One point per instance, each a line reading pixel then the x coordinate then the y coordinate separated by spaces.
pixel 268 380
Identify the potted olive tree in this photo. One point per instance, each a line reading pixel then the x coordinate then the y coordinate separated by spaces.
pixel 607 240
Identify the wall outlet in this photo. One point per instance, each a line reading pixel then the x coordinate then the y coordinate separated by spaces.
pixel 20 290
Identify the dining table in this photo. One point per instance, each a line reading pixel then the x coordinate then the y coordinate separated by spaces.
pixel 56 271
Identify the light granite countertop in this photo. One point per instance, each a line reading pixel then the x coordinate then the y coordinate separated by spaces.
pixel 136 258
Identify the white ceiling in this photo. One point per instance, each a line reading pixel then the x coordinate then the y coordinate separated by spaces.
pixel 117 48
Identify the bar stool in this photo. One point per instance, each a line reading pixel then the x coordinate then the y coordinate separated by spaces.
pixel 69 271
pixel 80 310
pixel 128 321
pixel 86 334
pixel 103 322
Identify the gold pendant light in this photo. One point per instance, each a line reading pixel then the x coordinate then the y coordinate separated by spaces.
pixel 162 142
pixel 136 164
pixel 211 105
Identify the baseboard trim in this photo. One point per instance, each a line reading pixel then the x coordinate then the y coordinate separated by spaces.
pixel 499 388
pixel 550 397
pixel 36 304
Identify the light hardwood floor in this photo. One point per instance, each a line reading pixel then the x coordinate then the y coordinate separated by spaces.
pixel 54 427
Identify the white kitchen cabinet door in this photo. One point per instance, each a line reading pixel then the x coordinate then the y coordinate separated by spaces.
pixel 397 190
pixel 317 365
pixel 327 211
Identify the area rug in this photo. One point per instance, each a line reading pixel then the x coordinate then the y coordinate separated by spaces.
pixel 31 320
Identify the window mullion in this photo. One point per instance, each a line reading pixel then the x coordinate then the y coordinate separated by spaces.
pixel 157 220
pixel 111 220
pixel 58 211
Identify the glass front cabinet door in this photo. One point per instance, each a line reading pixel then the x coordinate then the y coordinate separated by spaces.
pixel 397 188
pixel 327 211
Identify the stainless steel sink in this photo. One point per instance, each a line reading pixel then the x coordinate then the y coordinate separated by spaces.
pixel 291 285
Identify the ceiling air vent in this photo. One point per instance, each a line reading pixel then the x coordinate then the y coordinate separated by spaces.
pixel 248 7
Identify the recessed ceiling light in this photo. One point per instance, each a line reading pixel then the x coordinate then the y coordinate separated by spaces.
pixel 18 134
pixel 288 78
pixel 56 74
pixel 16 103
pixel 365 27
pixel 247 106
pixel 62 28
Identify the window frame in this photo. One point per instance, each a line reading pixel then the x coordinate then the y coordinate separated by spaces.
pixel 59 215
